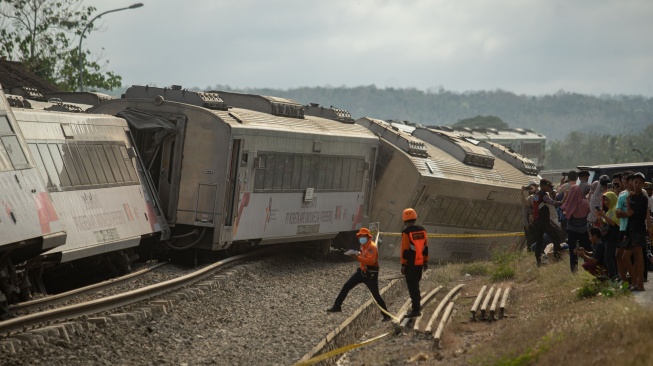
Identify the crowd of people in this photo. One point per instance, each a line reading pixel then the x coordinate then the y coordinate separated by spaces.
pixel 607 223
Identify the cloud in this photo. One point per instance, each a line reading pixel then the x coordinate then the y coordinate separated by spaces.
pixel 530 46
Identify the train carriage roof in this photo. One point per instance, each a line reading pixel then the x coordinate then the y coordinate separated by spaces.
pixel 441 164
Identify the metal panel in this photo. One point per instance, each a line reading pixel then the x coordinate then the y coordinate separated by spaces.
pixel 205 207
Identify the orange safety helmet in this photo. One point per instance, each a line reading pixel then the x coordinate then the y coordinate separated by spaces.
pixel 409 214
pixel 364 232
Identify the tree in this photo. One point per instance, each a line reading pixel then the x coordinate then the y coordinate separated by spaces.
pixel 41 35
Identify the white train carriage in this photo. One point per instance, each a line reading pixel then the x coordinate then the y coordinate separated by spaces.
pixel 234 177
pixel 29 223
pixel 456 187
pixel 92 176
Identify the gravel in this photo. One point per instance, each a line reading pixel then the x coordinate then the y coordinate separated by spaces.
pixel 270 314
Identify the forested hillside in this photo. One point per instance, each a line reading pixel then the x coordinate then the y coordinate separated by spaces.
pixel 580 129
pixel 552 115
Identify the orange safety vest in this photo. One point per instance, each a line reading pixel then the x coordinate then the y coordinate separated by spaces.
pixel 368 256
pixel 414 246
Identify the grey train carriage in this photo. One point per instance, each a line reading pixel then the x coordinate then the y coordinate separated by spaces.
pixel 29 223
pixel 456 186
pixel 93 176
pixel 249 170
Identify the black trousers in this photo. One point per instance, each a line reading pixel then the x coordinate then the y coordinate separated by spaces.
pixel 372 283
pixel 541 227
pixel 413 275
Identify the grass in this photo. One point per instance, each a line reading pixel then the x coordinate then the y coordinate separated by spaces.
pixel 553 317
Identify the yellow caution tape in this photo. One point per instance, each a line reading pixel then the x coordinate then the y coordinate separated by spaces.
pixel 340 350
pixel 497 235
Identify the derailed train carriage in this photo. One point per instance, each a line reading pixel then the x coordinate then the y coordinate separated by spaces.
pixel 249 170
pixel 456 186
pixel 29 223
pixel 95 180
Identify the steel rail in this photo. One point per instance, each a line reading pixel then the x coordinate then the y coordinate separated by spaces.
pixel 25 323
pixel 67 296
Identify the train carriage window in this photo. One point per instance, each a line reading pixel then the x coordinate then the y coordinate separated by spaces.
pixel 69 166
pixel 287 171
pixel 515 220
pixel 85 157
pixel 259 174
pixel 442 205
pixel 101 167
pixel 312 178
pixel 58 163
pixel 455 214
pixel 269 171
pixel 495 211
pixel 501 215
pixel 344 177
pixel 121 163
pixel 337 172
pixel 360 173
pixel 353 170
pixel 5 127
pixel 321 173
pixel 482 212
pixel 467 211
pixel 296 172
pixel 113 163
pixel 71 150
pixel 103 164
pixel 330 166
pixel 49 165
pixel 15 152
pixel 39 164
pixel 129 164
pixel 280 163
pixel 451 207
pixel 306 172
pixel 5 163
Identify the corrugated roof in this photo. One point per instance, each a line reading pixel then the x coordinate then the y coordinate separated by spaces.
pixel 309 124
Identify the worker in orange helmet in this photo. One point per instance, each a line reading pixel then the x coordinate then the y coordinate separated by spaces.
pixel 414 258
pixel 367 273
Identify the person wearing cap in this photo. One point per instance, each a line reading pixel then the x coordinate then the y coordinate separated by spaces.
pixel 414 258
pixel 367 273
pixel 542 221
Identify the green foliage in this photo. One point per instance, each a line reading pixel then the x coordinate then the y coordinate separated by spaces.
pixel 475 269
pixel 40 34
pixel 482 122
pixel 594 286
pixel 531 354
pixel 592 148
pixel 554 116
pixel 504 265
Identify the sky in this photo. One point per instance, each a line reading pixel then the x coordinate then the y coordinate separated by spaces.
pixel 531 47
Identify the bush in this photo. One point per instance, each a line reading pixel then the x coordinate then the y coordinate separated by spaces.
pixel 504 268
pixel 594 286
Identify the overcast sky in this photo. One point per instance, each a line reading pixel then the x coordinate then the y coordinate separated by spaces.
pixel 530 47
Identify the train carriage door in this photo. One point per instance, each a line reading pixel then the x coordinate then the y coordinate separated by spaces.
pixel 170 171
pixel 234 188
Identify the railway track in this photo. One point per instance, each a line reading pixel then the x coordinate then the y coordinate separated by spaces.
pixel 109 303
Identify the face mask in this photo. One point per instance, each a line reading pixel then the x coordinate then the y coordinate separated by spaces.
pixel 362 240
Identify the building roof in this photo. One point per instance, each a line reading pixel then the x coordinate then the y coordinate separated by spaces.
pixel 14 76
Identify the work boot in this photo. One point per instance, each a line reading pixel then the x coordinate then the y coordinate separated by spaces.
pixel 413 314
pixel 334 309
